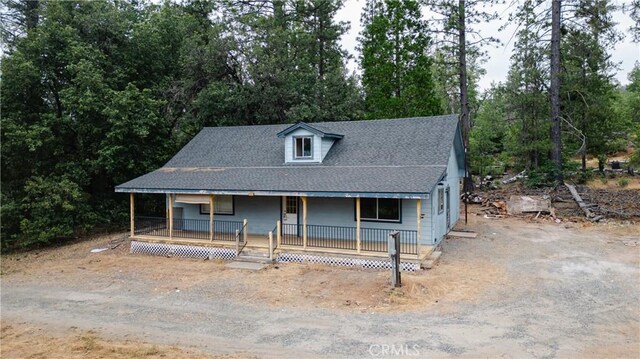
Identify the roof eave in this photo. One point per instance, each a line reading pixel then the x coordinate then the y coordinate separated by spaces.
pixel 400 195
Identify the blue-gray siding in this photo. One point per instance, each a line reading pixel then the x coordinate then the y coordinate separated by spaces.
pixel 454 174
pixel 261 212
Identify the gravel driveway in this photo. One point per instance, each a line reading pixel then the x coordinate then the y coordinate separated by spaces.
pixel 566 291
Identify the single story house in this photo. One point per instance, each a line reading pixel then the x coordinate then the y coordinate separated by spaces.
pixel 311 189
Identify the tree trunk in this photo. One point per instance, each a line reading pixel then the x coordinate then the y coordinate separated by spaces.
pixel 465 121
pixel 462 69
pixel 556 144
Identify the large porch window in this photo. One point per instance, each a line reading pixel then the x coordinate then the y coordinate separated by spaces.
pixel 222 205
pixel 380 209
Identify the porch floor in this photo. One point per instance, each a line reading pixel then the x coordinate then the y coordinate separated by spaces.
pixel 261 242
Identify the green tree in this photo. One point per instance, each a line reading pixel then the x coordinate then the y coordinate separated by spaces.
pixel 397 77
pixel 528 105
pixel 587 88
pixel 65 85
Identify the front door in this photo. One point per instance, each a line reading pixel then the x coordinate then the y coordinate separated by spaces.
pixel 289 215
pixel 448 204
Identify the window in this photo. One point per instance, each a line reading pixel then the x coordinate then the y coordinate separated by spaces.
pixel 440 200
pixel 380 209
pixel 303 147
pixel 292 205
pixel 221 204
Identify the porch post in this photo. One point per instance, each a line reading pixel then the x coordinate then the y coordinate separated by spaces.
pixel 279 233
pixel 304 221
pixel 211 228
pixel 358 224
pixel 132 213
pixel 246 229
pixel 419 213
pixel 170 216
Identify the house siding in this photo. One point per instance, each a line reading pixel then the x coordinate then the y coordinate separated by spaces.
pixel 261 212
pixel 341 212
pixel 452 181
pixel 427 236
pixel 288 147
pixel 326 146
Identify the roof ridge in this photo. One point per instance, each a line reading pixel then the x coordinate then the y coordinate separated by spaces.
pixel 334 122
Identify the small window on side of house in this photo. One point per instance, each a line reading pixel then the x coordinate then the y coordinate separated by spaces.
pixel 440 200
pixel 221 205
pixel 303 147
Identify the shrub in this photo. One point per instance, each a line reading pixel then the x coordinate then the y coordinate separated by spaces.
pixel 623 182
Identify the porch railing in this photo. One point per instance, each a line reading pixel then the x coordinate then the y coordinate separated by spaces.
pixel 292 234
pixel 376 240
pixel 331 237
pixel 187 228
pixel 152 226
pixel 337 237
pixel 240 238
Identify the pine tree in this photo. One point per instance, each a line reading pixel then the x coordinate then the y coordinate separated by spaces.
pixel 397 77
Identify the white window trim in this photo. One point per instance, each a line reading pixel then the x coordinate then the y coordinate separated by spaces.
pixel 440 200
pixel 295 148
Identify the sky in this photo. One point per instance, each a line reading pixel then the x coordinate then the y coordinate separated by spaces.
pixel 626 53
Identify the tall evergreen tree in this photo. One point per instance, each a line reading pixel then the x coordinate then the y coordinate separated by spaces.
pixel 588 90
pixel 397 75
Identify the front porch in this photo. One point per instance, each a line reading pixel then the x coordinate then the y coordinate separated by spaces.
pixel 237 235
pixel 262 224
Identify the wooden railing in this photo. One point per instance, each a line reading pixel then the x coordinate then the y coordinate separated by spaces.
pixel 338 237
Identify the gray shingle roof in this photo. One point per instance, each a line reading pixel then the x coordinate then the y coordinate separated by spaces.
pixel 382 156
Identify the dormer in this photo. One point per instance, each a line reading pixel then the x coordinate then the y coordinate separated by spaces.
pixel 304 143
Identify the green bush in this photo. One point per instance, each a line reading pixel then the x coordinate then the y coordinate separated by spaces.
pixel 623 182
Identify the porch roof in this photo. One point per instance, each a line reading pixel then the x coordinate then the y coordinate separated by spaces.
pixel 379 181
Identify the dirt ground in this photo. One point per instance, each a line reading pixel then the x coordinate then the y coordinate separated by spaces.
pixel 22 340
pixel 522 288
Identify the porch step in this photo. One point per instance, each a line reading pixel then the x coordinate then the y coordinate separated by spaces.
pixel 253 256
pixel 432 260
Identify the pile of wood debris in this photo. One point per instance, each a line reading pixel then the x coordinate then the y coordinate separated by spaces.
pixel 597 203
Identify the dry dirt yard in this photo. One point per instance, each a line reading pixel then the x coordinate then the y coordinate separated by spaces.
pixel 521 289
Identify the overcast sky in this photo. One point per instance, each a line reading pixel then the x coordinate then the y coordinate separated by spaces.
pixel 497 65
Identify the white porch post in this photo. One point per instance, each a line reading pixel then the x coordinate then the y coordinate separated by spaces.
pixel 358 239
pixel 304 221
pixel 211 227
pixel 170 216
pixel 132 213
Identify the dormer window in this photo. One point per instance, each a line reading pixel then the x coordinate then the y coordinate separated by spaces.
pixel 307 144
pixel 303 147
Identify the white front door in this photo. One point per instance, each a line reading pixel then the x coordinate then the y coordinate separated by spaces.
pixel 289 215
